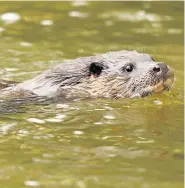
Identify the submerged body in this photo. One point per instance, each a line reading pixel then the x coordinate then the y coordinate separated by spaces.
pixel 119 74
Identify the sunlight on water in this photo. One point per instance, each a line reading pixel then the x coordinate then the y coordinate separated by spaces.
pixel 90 143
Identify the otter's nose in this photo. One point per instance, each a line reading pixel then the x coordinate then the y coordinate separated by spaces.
pixel 161 66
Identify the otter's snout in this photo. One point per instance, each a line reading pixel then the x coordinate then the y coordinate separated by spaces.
pixel 164 69
pixel 165 75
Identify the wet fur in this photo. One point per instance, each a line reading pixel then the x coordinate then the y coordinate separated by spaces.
pixel 94 76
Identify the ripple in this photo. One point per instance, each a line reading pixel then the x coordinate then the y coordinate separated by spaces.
pixel 11 69
pixel 2 29
pixel 46 22
pixel 78 14
pixel 144 141
pixel 175 31
pixel 112 151
pixel 38 160
pixel 10 17
pixel 36 120
pixel 78 132
pixel 54 120
pixel 32 183
pixel 23 132
pixel 62 106
pixel 109 117
pixel 26 44
pixel 158 102
pixel 79 3
pixel 60 116
pixel 5 128
pixel 99 123
pixel 131 16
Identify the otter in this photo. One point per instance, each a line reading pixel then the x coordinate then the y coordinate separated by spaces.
pixel 120 74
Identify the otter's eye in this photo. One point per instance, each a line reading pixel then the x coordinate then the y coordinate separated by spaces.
pixel 129 68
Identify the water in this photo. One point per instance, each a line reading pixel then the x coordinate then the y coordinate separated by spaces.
pixel 90 143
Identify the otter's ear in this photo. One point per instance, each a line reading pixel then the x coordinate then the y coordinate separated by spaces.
pixel 95 68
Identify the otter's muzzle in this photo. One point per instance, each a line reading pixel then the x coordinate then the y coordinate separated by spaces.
pixel 165 83
pixel 167 77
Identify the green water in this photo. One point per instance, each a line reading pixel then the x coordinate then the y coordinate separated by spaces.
pixel 99 143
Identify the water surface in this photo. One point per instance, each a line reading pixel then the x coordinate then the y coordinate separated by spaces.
pixel 91 143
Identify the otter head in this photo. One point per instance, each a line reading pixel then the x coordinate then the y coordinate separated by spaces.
pixel 126 74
